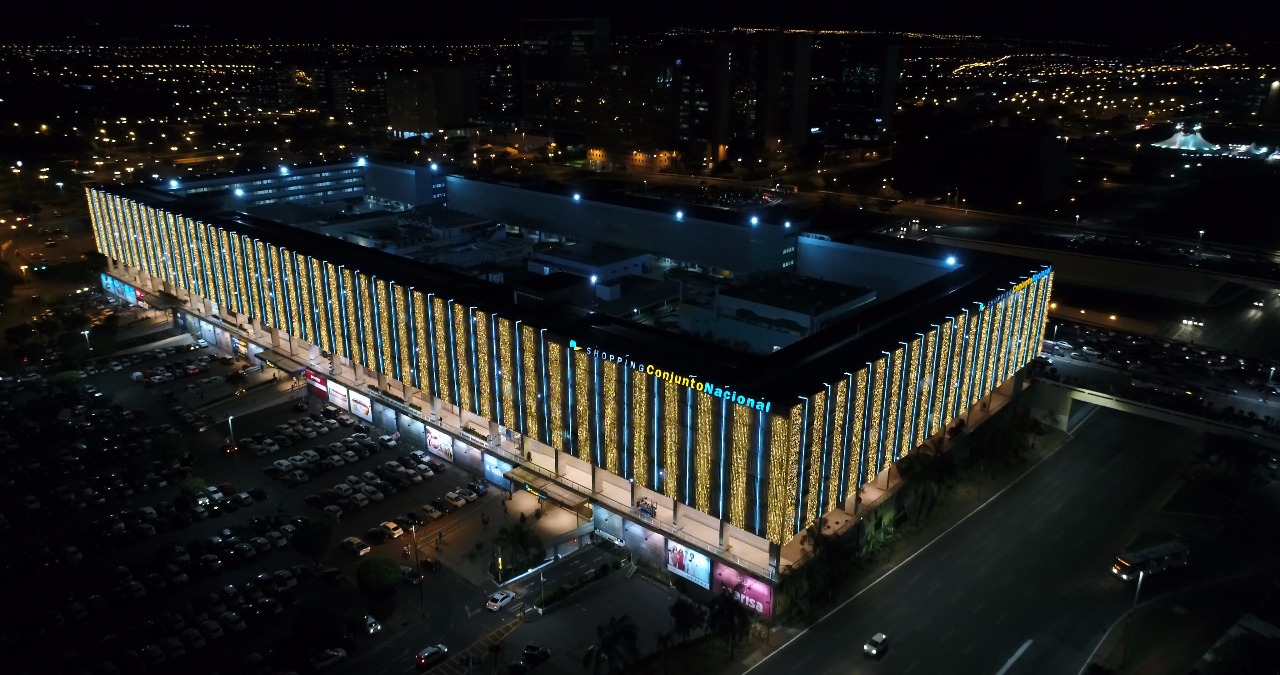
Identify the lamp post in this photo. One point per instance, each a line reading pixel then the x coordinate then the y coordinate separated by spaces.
pixel 24 273
pixel 235 449
pixel 542 592
pixel 422 602
pixel 1138 591
pixel 1200 240
pixel 1055 334
pixel 1077 220
pixel 1271 374
pixel 85 333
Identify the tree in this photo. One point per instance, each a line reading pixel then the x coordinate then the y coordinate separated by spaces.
pixel 688 617
pixel 615 646
pixel 728 619
pixel 312 539
pixel 520 545
pixel 379 577
pixel 19 334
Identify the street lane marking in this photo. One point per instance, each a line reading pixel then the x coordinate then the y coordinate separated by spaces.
pixel 908 559
pixel 1009 664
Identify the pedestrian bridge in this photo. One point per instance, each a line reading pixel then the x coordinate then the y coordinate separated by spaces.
pixel 1051 402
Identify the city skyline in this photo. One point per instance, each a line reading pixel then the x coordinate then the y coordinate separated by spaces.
pixel 1146 25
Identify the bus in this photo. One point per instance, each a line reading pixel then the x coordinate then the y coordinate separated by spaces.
pixel 1151 560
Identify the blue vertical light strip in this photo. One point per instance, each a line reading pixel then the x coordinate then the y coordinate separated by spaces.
pixel 414 338
pixel 431 345
pixel 572 442
pixel 659 479
pixel 625 441
pixel 378 322
pixel 687 469
pixel 453 353
pixel 595 399
pixel 496 371
pixel 884 406
pixel 262 286
pixel 847 451
pixel 724 413
pixel 290 269
pixel 901 386
pixel 518 365
pixel 474 360
pixel 826 451
pixel 361 312
pixel 966 369
pixel 543 402
pixel 934 383
pixel 804 441
pixel 761 451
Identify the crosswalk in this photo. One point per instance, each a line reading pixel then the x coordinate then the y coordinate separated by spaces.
pixel 480 652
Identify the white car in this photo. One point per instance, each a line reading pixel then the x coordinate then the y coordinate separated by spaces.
pixel 356 545
pixel 387 441
pixel 432 512
pixel 372 493
pixel 349 457
pixel 271 445
pixel 371 625
pixel 307 432
pixel 392 529
pixel 355 481
pixel 499 600
pixel 466 494
pixel 876 646
pixel 310 455
pixel 344 489
pixel 299 461
pixel 453 498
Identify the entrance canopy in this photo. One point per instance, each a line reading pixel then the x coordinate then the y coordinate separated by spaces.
pixel 544 488
pixel 286 363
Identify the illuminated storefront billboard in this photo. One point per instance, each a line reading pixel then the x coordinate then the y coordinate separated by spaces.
pixel 338 395
pixel 688 563
pixel 361 406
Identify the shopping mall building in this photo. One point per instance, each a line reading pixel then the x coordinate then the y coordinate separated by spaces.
pixel 724 448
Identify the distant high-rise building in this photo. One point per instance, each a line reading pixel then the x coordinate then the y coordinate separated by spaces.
pixel 744 91
pixel 855 87
pixel 556 61
pixel 293 86
pixel 427 101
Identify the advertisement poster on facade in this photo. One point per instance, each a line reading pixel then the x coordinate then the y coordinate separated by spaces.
pixel 316 382
pixel 440 443
pixel 338 395
pixel 688 563
pixel 749 591
pixel 361 406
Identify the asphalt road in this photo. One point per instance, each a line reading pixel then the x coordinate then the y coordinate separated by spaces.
pixel 1027 575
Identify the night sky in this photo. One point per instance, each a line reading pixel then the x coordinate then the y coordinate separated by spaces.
pixel 1112 21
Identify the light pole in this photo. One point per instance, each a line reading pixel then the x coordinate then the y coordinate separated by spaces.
pixel 235 449
pixel 1138 591
pixel 422 602
pixel 1077 220
pixel 1200 240
pixel 542 592
pixel 1055 334
pixel 1271 374
pixel 24 273
pixel 85 333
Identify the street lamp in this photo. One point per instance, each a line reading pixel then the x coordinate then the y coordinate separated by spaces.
pixel 1138 591
pixel 1055 334
pixel 24 273
pixel 422 602
pixel 235 450
pixel 85 333
pixel 1271 374
pixel 1200 240
pixel 1077 220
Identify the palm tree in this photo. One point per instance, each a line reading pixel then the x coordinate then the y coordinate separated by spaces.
pixel 615 645
pixel 728 619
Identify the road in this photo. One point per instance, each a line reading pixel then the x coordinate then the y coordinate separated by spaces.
pixel 1025 576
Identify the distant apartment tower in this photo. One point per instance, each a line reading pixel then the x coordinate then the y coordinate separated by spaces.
pixel 740 89
pixel 292 86
pixel 855 87
pixel 427 101
pixel 556 60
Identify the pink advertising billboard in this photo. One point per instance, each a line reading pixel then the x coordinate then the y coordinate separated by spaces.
pixel 749 591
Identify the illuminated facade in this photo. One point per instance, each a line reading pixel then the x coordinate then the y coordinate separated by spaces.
pixel 768 455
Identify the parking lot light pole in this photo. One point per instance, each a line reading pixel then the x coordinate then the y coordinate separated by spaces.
pixel 422 602
pixel 235 450
pixel 85 333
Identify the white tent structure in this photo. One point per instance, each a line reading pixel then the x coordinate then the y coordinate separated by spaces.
pixel 1187 142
